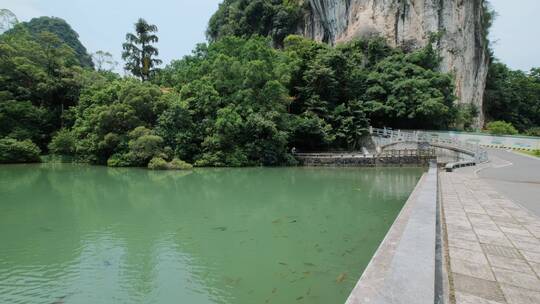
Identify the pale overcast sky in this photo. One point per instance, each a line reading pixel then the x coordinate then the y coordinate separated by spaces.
pixel 102 24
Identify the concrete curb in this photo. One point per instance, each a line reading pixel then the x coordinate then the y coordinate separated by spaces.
pixel 402 270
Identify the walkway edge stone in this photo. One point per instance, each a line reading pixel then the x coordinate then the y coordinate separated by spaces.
pixel 402 270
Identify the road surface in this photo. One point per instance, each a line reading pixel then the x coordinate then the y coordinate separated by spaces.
pixel 515 176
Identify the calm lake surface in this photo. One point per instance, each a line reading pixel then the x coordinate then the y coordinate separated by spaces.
pixel 80 234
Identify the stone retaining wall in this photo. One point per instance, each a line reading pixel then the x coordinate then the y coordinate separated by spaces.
pixel 357 161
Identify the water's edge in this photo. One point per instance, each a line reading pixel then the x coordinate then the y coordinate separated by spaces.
pixel 403 268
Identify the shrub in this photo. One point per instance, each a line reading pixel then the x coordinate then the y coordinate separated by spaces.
pixel 533 132
pixel 144 146
pixel 158 163
pixel 14 151
pixel 63 143
pixel 178 164
pixel 501 128
pixel 120 160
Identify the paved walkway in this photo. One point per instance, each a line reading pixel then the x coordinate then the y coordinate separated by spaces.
pixel 493 243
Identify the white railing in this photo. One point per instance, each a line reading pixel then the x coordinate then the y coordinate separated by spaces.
pixel 383 137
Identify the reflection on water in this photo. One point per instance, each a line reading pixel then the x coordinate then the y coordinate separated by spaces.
pixel 78 234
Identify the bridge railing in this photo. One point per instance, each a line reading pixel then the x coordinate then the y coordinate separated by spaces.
pixel 388 136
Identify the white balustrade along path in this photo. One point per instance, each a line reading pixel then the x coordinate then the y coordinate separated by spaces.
pixel 384 137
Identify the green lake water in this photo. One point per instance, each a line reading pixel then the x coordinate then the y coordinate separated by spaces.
pixel 80 234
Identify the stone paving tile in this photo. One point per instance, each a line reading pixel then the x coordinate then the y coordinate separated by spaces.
pixel 488 290
pixel 533 257
pixel 508 252
pixel 468 255
pixel 463 235
pixel 494 244
pixel 493 238
pixel 465 298
pixel 515 295
pixel 528 246
pixel 503 219
pixel 515 230
pixel 517 279
pixel 471 268
pixel 453 242
pixel 519 265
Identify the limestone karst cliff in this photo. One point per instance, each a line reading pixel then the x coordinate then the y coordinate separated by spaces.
pixel 409 23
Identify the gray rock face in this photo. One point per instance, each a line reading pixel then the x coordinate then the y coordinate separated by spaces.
pixel 409 23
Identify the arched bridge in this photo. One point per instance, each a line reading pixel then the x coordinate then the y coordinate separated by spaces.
pixel 387 138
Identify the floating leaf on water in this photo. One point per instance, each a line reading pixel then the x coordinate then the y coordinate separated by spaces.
pixel 341 277
pixel 299 298
pixel 294 221
pixel 45 229
pixel 60 300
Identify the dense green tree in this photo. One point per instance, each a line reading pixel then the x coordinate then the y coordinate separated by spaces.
pixel 404 94
pixel 246 18
pixel 40 78
pixel 513 96
pixel 61 29
pixel 139 53
pixel 339 91
pixel 107 114
pixel 232 104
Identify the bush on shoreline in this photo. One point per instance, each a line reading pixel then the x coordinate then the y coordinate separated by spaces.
pixel 158 163
pixel 13 151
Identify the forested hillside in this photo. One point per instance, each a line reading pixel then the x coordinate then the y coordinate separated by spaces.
pixel 246 98
pixel 62 30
